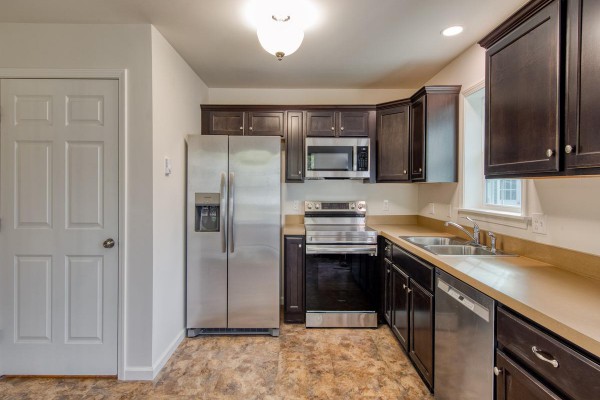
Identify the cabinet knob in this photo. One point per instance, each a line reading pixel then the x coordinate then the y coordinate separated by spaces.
pixel 333 128
pixel 299 172
pixel 299 245
pixel 342 128
pixel 497 371
pixel 420 169
pixel 241 128
pixel 250 128
pixel 568 149
pixel 549 153
pixel 404 172
pixel 403 286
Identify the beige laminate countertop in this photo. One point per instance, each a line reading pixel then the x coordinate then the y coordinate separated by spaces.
pixel 293 229
pixel 565 303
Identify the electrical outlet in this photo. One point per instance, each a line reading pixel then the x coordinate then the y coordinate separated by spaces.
pixel 386 205
pixel 168 166
pixel 538 224
pixel 296 205
pixel 431 208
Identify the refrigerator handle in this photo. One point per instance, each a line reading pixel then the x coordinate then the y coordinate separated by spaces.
pixel 231 211
pixel 223 214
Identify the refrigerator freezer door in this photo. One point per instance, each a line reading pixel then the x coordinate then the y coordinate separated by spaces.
pixel 207 251
pixel 254 234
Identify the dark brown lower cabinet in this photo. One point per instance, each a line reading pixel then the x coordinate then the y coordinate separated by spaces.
pixel 514 383
pixel 294 293
pixel 400 306
pixel 421 330
pixel 387 291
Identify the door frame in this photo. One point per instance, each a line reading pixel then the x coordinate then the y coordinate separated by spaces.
pixel 119 75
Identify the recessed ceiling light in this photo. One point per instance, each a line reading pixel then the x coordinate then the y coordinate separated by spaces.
pixel 452 31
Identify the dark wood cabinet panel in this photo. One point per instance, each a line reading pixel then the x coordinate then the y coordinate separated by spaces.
pixel 400 309
pixel 321 123
pixel 353 123
pixel 266 123
pixel 421 331
pixel 582 144
pixel 514 383
pixel 393 144
pixel 417 139
pixel 294 293
pixel 225 123
pixel 523 97
pixel 387 291
pixel 294 147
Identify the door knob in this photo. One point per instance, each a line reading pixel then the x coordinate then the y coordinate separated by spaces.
pixel 109 243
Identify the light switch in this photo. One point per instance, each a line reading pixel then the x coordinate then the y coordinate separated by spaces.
pixel 168 166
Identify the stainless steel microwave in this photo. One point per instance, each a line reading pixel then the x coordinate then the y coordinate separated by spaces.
pixel 337 158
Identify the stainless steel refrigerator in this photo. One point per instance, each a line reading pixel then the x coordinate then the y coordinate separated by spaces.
pixel 233 234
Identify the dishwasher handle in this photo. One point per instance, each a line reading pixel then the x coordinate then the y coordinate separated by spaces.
pixel 464 300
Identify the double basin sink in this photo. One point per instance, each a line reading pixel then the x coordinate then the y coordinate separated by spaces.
pixel 451 246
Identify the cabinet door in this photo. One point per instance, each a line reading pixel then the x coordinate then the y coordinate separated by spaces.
pixel 417 139
pixel 393 145
pixel 514 383
pixel 523 107
pixel 294 147
pixel 353 123
pixel 583 91
pixel 321 123
pixel 226 123
pixel 294 279
pixel 400 306
pixel 387 291
pixel 421 331
pixel 266 123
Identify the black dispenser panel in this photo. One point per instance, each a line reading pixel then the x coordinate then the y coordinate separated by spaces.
pixel 208 212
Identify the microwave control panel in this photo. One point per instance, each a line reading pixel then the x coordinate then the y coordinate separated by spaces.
pixel 362 155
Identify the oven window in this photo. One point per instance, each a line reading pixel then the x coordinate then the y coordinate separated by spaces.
pixel 330 158
pixel 340 282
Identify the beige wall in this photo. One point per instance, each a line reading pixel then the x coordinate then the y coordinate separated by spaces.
pixel 73 46
pixel 177 93
pixel 570 204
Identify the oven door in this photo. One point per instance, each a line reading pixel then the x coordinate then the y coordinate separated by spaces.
pixel 341 286
pixel 334 158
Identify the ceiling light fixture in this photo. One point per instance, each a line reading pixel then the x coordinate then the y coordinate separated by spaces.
pixel 280 36
pixel 452 31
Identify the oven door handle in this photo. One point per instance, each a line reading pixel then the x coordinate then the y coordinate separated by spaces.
pixel 315 249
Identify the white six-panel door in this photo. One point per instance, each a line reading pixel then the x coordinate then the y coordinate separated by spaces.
pixel 58 205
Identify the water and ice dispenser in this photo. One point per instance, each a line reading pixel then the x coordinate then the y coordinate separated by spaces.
pixel 208 209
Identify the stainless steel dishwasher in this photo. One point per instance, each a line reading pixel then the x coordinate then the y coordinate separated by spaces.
pixel 464 341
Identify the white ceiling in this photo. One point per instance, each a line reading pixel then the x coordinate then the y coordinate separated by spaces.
pixel 357 44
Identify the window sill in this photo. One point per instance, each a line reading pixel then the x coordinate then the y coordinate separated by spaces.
pixel 513 220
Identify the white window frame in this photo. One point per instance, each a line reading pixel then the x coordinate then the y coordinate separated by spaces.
pixel 504 215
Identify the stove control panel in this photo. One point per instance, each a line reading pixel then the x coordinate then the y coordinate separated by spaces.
pixel 336 206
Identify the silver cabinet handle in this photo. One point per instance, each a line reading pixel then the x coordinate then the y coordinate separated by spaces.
pixel 223 213
pixel 568 149
pixel 498 371
pixel 540 354
pixel 108 243
pixel 549 153
pixel 232 211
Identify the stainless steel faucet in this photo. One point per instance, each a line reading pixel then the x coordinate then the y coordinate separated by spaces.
pixel 474 237
pixel 493 239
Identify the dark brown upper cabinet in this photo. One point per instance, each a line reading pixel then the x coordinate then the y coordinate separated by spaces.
pixel 434 134
pixel 266 123
pixel 523 92
pixel 223 122
pixel 582 144
pixel 393 142
pixel 331 123
pixel 294 147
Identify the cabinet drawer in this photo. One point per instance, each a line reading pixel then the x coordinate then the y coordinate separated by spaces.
pixel 568 370
pixel 418 270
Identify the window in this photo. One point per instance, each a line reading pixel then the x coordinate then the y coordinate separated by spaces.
pixel 488 195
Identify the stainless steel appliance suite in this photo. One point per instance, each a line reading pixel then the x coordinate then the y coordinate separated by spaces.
pixel 337 158
pixel 233 235
pixel 341 277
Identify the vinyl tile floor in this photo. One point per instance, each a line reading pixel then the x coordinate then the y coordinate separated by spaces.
pixel 300 364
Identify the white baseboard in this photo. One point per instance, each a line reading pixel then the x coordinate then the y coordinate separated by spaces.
pixel 149 373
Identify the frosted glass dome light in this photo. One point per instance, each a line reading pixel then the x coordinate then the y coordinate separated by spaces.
pixel 280 36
